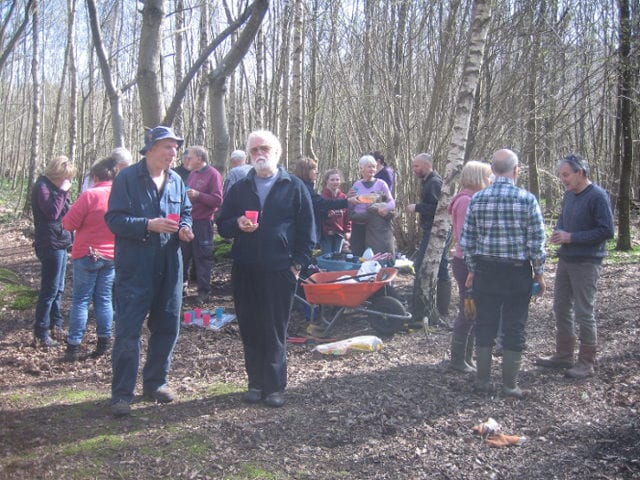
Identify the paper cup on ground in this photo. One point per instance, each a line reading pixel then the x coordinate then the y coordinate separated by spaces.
pixel 219 313
pixel 187 317
pixel 206 320
pixel 198 312
pixel 252 215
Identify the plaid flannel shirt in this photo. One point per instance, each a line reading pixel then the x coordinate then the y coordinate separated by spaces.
pixel 504 221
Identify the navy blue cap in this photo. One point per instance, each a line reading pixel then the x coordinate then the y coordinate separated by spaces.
pixel 159 133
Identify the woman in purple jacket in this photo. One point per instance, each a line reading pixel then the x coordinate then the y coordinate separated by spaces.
pixel 49 203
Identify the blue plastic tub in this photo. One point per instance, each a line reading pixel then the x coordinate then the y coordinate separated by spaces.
pixel 326 263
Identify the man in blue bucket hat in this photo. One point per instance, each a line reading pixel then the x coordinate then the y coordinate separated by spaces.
pixel 149 213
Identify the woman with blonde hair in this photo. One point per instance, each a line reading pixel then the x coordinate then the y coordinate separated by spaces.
pixel 49 203
pixel 473 178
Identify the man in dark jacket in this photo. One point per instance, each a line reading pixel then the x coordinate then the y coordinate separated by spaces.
pixel 267 258
pixel 422 166
pixel 149 213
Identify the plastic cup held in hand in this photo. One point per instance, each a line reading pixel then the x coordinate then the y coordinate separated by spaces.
pixel 173 216
pixel 252 215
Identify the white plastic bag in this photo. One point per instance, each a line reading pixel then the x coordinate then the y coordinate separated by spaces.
pixel 369 267
pixel 363 343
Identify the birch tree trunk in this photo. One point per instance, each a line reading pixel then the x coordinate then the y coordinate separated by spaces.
pixel 294 151
pixel 481 17
pixel 35 109
pixel 73 84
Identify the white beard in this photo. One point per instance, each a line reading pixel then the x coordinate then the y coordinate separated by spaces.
pixel 265 166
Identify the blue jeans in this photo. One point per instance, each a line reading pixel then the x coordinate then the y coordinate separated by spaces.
pixel 331 243
pixel 52 271
pixel 91 280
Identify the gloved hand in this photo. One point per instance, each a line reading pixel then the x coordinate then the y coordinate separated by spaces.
pixel 469 306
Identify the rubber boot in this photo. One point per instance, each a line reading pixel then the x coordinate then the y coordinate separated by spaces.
pixel 563 358
pixel 443 297
pixel 468 354
pixel 511 362
pixel 483 370
pixel 102 347
pixel 72 354
pixel 585 365
pixel 458 351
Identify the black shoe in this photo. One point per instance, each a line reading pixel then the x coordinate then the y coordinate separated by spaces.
pixel 103 346
pixel 120 409
pixel 253 395
pixel 275 399
pixel 45 342
pixel 72 353
pixel 161 395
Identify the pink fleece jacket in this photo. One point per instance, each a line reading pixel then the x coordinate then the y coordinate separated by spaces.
pixel 458 210
pixel 86 218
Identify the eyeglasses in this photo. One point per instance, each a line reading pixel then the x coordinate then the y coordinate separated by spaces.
pixel 260 149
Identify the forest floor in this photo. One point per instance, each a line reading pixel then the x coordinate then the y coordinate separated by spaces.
pixel 393 414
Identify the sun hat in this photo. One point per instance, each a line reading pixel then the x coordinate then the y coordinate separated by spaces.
pixel 159 133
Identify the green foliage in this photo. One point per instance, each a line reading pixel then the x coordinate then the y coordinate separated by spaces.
pixel 221 249
pixel 218 389
pixel 14 295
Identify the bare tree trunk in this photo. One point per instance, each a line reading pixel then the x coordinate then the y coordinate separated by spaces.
pixel 203 82
pixel 148 76
pixel 73 84
pixel 179 58
pixel 260 89
pixel 117 119
pixel 481 17
pixel 35 126
pixel 17 34
pixel 295 112
pixel 625 80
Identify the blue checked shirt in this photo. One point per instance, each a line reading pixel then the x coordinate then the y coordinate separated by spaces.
pixel 504 221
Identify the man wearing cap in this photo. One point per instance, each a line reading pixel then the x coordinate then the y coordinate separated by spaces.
pixel 146 199
pixel 584 226
pixel 267 257
pixel 205 193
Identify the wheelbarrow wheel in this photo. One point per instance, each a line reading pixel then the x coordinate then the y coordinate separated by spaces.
pixel 380 322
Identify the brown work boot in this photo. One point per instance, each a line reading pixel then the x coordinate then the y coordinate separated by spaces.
pixel 563 358
pixel 584 367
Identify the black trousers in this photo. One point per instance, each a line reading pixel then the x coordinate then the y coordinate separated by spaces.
pixel 502 290
pixel 263 301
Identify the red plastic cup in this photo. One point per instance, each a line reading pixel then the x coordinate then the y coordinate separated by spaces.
pixel 187 317
pixel 206 320
pixel 252 215
pixel 173 216
pixel 198 312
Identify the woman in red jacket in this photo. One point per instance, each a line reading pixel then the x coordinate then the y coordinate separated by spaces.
pixel 93 267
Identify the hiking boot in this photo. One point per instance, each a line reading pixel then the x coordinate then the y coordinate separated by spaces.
pixel 275 399
pixel 468 354
pixel 72 354
pixel 44 342
pixel 161 395
pixel 103 346
pixel 585 365
pixel 120 409
pixel 253 395
pixel 563 357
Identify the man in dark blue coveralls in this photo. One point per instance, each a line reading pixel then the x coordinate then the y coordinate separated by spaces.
pixel 146 199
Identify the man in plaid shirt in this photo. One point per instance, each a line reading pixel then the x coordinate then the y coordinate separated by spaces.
pixel 503 245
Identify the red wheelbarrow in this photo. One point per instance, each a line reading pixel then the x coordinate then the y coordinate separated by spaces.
pixel 386 315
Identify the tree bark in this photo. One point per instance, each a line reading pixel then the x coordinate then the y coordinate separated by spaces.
pixel 296 120
pixel 481 17
pixel 35 108
pixel 148 74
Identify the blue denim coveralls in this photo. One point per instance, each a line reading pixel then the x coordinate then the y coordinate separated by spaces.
pixel 148 276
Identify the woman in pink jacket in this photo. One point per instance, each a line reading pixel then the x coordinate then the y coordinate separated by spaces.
pixel 93 267
pixel 474 177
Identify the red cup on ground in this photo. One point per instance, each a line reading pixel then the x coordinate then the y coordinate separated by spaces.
pixel 187 317
pixel 198 312
pixel 206 320
pixel 173 216
pixel 252 215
